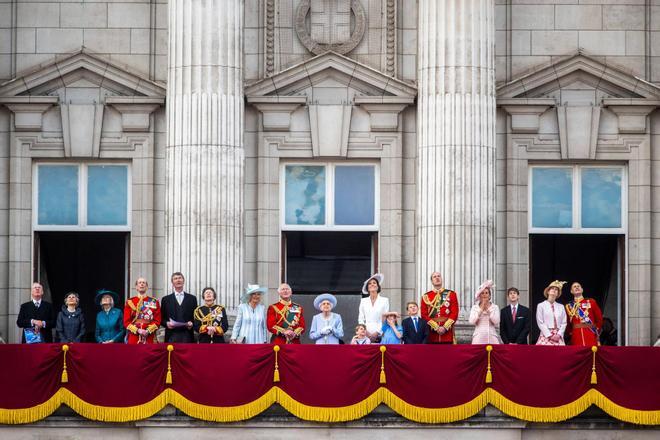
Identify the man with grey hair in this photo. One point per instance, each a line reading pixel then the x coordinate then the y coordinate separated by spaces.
pixel 284 319
pixel 36 318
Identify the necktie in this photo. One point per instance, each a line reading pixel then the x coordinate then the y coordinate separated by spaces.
pixel 37 304
pixel 513 314
pixel 415 323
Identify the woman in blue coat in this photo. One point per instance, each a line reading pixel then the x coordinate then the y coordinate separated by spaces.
pixel 109 321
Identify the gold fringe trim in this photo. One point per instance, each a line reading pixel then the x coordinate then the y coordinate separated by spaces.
pixel 223 413
pixel 434 415
pixel 624 414
pixel 540 414
pixel 327 414
pixel 113 413
pixel 33 414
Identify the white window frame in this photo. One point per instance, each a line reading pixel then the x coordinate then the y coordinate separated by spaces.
pixel 577 201
pixel 82 198
pixel 330 197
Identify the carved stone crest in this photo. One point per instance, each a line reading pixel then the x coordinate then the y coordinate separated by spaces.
pixel 330 25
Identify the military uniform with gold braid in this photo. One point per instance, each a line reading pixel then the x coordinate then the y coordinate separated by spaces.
pixel 584 321
pixel 285 315
pixel 440 308
pixel 214 316
pixel 141 313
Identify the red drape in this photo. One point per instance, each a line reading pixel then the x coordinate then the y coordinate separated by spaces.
pixel 225 376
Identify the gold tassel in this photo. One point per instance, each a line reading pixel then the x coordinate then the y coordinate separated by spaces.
pixel 65 375
pixel 594 379
pixel 276 373
pixel 168 377
pixel 489 374
pixel 382 364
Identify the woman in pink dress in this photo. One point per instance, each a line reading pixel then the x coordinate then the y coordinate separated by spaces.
pixel 551 316
pixel 485 316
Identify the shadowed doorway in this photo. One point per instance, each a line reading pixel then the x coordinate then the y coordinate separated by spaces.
pixel 595 261
pixel 83 262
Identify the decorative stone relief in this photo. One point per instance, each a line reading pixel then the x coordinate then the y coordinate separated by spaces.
pixel 390 66
pixel 270 37
pixel 330 25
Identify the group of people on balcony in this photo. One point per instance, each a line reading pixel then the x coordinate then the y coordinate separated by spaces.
pixel 432 321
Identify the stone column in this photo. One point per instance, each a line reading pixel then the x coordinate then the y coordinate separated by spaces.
pixel 456 145
pixel 205 156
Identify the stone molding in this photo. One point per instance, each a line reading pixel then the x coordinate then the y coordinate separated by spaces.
pixel 277 110
pixel 28 110
pixel 383 110
pixel 631 113
pixel 339 47
pixel 300 76
pixel 560 73
pixel 525 113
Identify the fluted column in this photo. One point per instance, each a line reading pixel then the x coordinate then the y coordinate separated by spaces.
pixel 456 145
pixel 205 156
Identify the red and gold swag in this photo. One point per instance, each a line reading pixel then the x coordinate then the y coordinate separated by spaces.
pixel 328 383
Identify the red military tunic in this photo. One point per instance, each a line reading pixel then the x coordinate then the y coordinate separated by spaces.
pixel 440 308
pixel 584 321
pixel 282 316
pixel 141 313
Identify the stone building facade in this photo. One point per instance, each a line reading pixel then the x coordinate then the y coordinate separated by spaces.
pixel 319 141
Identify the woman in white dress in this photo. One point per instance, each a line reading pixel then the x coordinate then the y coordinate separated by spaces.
pixel 551 316
pixel 373 307
pixel 485 316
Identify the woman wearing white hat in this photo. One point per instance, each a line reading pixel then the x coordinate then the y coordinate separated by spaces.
pixel 485 315
pixel 327 327
pixel 373 307
pixel 250 325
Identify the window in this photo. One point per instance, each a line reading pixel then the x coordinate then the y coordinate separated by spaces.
pixel 571 199
pixel 81 196
pixel 330 196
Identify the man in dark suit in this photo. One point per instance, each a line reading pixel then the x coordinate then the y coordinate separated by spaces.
pixel 37 314
pixel 514 320
pixel 178 307
pixel 415 329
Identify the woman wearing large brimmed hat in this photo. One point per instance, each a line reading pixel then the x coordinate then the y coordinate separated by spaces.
pixel 327 327
pixel 551 316
pixel 109 321
pixel 373 306
pixel 485 315
pixel 250 325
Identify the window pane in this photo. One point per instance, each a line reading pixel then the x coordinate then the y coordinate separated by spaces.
pixel 354 195
pixel 601 197
pixel 304 195
pixel 58 195
pixel 107 195
pixel 552 197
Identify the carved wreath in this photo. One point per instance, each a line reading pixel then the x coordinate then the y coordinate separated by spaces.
pixel 341 48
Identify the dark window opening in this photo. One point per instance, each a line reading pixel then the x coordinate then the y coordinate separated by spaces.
pixel 596 261
pixel 83 262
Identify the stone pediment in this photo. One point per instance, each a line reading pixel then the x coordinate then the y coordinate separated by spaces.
pixel 81 69
pixel 579 72
pixel 82 92
pixel 331 78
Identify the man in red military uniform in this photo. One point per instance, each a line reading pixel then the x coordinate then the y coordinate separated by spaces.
pixel 284 319
pixel 440 310
pixel 584 318
pixel 141 315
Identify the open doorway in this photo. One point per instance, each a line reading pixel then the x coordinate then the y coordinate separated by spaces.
pixel 83 262
pixel 336 262
pixel 596 261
